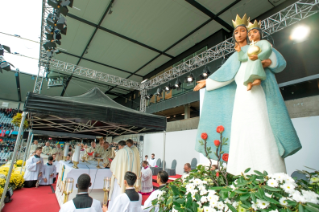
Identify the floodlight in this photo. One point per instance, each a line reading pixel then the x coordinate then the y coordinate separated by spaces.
pixel 68 3
pixel 61 23
pixel 49 45
pixel 49 36
pixel 51 19
pixel 205 73
pixel 190 78
pixel 5 66
pixel 177 83
pixel 148 96
pixel 49 29
pixel 158 91
pixel 167 87
pixel 300 33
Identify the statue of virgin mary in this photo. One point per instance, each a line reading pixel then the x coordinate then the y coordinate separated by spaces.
pixel 256 122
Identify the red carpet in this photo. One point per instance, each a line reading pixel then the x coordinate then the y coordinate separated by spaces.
pixel 33 199
pixel 145 196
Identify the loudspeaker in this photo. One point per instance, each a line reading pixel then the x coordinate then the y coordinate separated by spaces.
pixel 141 138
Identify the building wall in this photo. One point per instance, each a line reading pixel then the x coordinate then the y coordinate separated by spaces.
pixel 14 105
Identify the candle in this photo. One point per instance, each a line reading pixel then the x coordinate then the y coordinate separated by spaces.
pixel 76 155
pixel 66 150
pixel 68 185
pixel 106 185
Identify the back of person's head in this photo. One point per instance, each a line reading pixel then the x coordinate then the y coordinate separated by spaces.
pixel 122 143
pixel 130 178
pixel 50 158
pixel 145 162
pixel 162 176
pixel 130 141
pixel 84 182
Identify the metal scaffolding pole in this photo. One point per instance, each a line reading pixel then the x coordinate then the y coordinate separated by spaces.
pixel 13 159
pixel 164 141
pixel 30 137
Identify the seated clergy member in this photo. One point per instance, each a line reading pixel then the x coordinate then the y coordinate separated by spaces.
pixel 152 161
pixel 82 202
pixel 162 178
pixel 146 178
pixel 130 201
pixel 47 149
pixel 48 172
pixel 33 169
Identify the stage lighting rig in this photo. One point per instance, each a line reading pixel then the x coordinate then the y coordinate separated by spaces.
pixel 205 73
pixel 61 6
pixel 158 92
pixel 168 87
pixel 177 84
pixel 190 78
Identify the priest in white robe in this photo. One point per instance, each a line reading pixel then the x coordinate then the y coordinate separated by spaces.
pixel 152 161
pixel 47 149
pixel 136 163
pixel 99 150
pixel 146 179
pixel 162 178
pixel 82 202
pixel 48 172
pixel 122 163
pixel 34 146
pixel 33 169
pixel 108 154
pixel 58 152
pixel 130 201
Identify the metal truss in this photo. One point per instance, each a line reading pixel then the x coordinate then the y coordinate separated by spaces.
pixel 284 18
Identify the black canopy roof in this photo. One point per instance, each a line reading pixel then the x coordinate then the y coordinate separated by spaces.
pixel 92 113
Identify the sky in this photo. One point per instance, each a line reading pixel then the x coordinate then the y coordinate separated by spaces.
pixel 22 18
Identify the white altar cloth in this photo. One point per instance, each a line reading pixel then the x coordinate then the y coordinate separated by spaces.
pixel 97 177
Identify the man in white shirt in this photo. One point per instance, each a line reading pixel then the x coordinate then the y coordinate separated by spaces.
pixel 152 162
pixel 82 202
pixel 130 201
pixel 162 178
pixel 146 178
pixel 187 169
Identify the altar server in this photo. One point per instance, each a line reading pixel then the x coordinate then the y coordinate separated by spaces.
pixel 146 178
pixel 82 202
pixel 152 161
pixel 47 149
pixel 58 152
pixel 33 169
pixel 162 178
pixel 130 201
pixel 108 154
pixel 48 172
pixel 122 163
pixel 136 163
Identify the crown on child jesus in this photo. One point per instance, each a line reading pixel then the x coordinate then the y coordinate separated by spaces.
pixel 256 24
pixel 241 21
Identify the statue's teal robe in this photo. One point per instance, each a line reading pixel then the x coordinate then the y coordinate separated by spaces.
pixel 218 105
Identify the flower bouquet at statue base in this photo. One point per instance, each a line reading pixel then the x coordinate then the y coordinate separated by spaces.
pixel 211 188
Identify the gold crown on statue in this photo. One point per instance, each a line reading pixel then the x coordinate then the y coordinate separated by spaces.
pixel 256 24
pixel 241 21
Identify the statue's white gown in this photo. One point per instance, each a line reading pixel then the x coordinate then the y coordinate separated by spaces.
pixel 252 142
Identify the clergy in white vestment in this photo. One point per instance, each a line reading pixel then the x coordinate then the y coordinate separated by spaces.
pixel 82 202
pixel 162 178
pixel 146 178
pixel 33 170
pixel 58 152
pixel 122 163
pixel 152 161
pixel 48 172
pixel 99 150
pixel 90 151
pixel 34 146
pixel 136 163
pixel 130 201
pixel 108 154
pixel 47 149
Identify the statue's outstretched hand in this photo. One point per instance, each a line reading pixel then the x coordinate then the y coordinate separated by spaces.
pixel 200 84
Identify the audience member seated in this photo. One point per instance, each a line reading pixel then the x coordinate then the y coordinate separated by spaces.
pixel 82 202
pixel 152 162
pixel 130 201
pixel 187 169
pixel 162 179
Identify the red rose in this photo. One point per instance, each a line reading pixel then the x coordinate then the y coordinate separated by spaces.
pixel 204 136
pixel 217 174
pixel 217 142
pixel 225 157
pixel 220 129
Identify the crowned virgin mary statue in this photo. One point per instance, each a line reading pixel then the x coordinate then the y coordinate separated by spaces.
pixel 256 122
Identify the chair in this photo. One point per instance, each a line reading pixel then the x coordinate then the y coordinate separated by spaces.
pixel 155 170
pixel 299 176
pixel 172 170
pixel 193 164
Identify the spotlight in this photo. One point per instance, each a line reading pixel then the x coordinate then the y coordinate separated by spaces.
pixel 167 87
pixel 158 91
pixel 51 19
pixel 61 23
pixel 149 96
pixel 4 66
pixel 49 36
pixel 190 78
pixel 300 33
pixel 177 84
pixel 49 45
pixel 205 73
pixel 49 29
